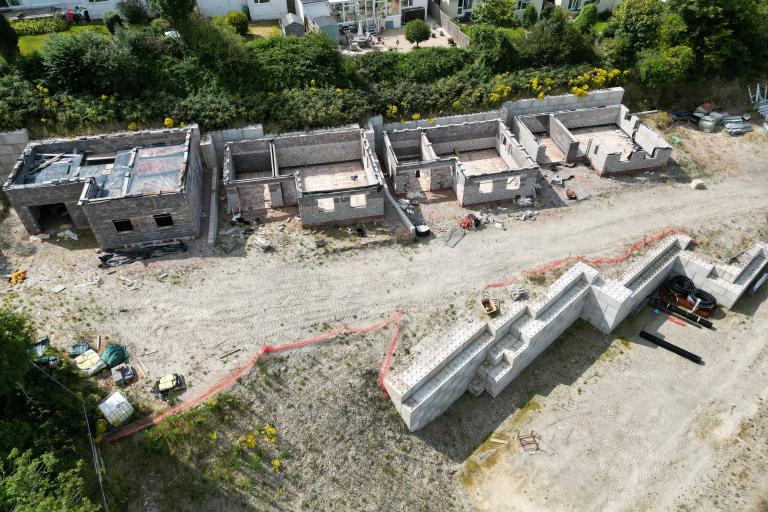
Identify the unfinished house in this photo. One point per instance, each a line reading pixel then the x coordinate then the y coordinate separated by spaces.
pixel 332 176
pixel 611 140
pixel 130 189
pixel 480 160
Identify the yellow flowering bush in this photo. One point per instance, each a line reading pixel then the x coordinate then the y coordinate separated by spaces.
pixel 132 126
pixel 391 110
pixel 276 464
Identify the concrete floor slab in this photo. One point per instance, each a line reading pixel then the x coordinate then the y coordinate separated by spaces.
pixel 609 136
pixel 335 176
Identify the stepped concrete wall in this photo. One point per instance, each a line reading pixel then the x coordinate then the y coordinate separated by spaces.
pixel 487 355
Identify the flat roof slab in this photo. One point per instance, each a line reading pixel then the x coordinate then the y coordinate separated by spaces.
pixel 329 177
pixel 609 136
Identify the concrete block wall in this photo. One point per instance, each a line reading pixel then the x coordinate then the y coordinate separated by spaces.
pixel 563 139
pixel 649 140
pixel 433 378
pixel 627 123
pixel 599 98
pixel 528 140
pixel 318 148
pixel 12 144
pixel 611 163
pixel 585 118
pixel 343 213
pixel 220 138
pixel 507 186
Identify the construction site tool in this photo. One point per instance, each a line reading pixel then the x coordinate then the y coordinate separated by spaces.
pixel 672 348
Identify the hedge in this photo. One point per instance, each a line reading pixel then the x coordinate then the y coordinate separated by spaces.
pixel 39 26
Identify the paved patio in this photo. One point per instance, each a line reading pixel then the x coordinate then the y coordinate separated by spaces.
pixel 393 39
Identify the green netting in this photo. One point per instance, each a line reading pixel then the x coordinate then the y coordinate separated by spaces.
pixel 78 349
pixel 114 354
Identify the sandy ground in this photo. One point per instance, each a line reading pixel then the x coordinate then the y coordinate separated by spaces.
pixel 639 428
pixel 183 313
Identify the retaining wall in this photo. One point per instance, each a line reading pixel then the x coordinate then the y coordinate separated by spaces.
pixel 487 355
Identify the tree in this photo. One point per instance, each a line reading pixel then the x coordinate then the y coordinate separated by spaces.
pixel 638 21
pixel 9 41
pixel 494 49
pixel 530 16
pixel 39 485
pixel 586 18
pixel 659 68
pixel 499 13
pixel 417 31
pixel 177 12
pixel 16 335
pixel 727 37
pixel 239 21
pixel 555 41
pixel 133 11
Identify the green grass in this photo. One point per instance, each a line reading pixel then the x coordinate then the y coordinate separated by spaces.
pixel 600 26
pixel 29 44
pixel 261 29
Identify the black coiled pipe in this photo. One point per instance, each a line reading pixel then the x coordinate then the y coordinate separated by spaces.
pixel 681 286
pixel 702 300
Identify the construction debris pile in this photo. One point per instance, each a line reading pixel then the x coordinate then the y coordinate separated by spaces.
pixel 759 99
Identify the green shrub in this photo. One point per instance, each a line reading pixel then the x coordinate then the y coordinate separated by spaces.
pixel 660 68
pixel 547 9
pixel 530 16
pixel 39 26
pixel 133 11
pixel 379 66
pixel 160 25
pixel 88 62
pixel 416 31
pixel 427 64
pixel 239 21
pixel 499 13
pixel 586 18
pixel 494 48
pixel 8 40
pixel 112 20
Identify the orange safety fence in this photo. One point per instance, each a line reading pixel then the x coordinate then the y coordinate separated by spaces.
pixel 596 262
pixel 232 377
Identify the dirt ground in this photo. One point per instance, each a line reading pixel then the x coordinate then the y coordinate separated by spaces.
pixel 660 431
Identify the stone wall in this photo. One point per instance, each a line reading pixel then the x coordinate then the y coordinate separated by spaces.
pixel 487 355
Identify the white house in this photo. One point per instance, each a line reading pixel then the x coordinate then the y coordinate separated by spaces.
pixel 258 9
pixel 576 5
pixel 387 14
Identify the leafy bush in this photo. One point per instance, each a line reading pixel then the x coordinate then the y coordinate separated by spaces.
pixel 88 62
pixel 379 66
pixel 547 9
pixel 112 20
pixel 530 16
pixel 160 25
pixel 427 64
pixel 291 62
pixel 499 13
pixel 416 31
pixel 660 68
pixel 212 109
pixel 493 48
pixel 39 26
pixel 586 18
pixel 133 11
pixel 239 21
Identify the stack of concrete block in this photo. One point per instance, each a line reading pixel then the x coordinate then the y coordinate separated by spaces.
pixel 488 356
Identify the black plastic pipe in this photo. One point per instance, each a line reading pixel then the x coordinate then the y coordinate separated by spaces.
pixel 671 308
pixel 672 348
